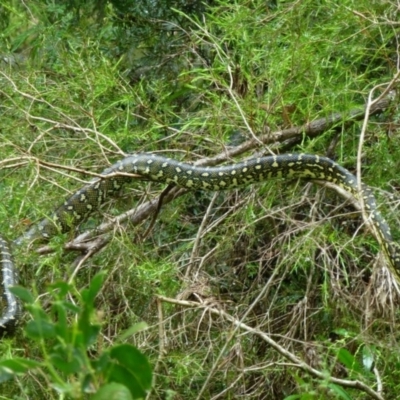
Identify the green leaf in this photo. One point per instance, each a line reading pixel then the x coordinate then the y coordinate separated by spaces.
pixel 72 307
pixel 113 391
pixel 89 295
pixel 19 365
pixel 102 363
pixel 122 375
pixel 139 327
pixel 88 331
pixel 11 367
pixel 135 361
pixel 23 294
pixel 339 391
pixel 61 288
pixel 67 361
pixel 347 359
pixel 40 329
pixel 61 326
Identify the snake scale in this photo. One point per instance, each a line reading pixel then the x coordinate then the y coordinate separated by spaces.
pixel 161 169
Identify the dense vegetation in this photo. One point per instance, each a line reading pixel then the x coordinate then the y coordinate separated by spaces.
pixel 273 291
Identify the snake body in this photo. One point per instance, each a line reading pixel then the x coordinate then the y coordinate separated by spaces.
pixel 161 169
pixel 10 316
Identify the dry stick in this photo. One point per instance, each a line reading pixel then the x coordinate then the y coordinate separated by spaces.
pixel 281 350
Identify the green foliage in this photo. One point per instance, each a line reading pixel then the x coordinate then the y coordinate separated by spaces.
pixel 68 357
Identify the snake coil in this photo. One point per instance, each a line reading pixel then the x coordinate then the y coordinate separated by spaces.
pixel 161 169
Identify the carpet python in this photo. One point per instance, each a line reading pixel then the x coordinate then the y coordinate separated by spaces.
pixel 156 168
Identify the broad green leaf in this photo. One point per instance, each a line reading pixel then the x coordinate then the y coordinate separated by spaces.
pixel 23 294
pixel 122 375
pixel 347 359
pixel 102 363
pixel 11 367
pixel 40 329
pixel 135 361
pixel 113 391
pixel 19 365
pixel 88 331
pixel 69 364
